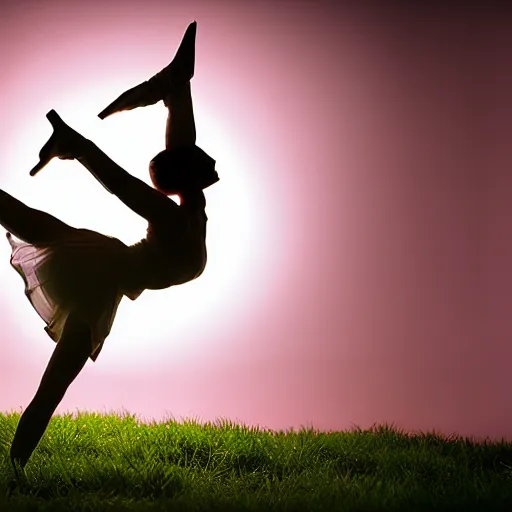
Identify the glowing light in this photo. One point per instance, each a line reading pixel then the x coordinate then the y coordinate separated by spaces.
pixel 157 322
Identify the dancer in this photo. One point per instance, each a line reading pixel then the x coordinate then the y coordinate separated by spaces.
pixel 76 278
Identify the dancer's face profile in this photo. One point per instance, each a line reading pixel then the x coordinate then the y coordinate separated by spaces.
pixel 183 168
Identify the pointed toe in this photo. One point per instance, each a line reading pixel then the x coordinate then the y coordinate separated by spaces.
pixel 178 72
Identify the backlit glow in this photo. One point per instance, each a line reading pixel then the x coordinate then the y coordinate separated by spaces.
pixel 359 239
pixel 69 192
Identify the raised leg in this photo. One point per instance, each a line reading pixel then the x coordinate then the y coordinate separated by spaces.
pixel 66 362
pixel 181 128
pixel 30 225
pixel 180 70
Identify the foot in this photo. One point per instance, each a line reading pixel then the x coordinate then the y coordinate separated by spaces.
pixel 177 73
pixel 62 144
pixel 181 69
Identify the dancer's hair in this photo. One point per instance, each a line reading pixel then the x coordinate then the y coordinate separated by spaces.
pixel 174 170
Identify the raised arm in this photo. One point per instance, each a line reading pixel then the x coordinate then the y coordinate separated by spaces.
pixel 66 143
pixel 143 199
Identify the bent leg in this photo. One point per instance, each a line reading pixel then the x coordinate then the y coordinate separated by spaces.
pixel 181 128
pixel 30 225
pixel 66 362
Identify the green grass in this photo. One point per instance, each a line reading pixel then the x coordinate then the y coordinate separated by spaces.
pixel 93 462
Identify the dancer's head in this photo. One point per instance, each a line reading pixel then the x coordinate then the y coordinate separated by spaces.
pixel 176 170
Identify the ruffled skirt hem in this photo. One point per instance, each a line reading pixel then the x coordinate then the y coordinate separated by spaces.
pixel 80 276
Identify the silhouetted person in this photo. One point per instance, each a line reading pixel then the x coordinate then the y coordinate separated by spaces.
pixel 76 278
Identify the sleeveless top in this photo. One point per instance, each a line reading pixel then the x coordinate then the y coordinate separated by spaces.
pixel 172 253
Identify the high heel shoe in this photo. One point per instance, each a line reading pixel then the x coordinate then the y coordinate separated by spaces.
pixel 62 143
pixel 179 71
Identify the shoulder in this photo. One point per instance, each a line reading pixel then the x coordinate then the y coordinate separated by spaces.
pixel 193 212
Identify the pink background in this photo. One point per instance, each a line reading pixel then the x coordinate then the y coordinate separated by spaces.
pixel 359 239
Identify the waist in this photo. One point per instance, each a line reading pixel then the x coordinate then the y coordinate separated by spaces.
pixel 159 267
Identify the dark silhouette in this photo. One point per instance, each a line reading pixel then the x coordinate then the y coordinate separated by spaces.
pixel 76 278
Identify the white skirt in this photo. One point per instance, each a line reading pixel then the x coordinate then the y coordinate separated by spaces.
pixel 85 274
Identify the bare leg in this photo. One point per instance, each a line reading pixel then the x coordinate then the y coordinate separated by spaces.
pixel 68 359
pixel 181 128
pixel 30 225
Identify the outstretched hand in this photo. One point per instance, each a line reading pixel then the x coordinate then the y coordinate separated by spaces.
pixel 59 144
